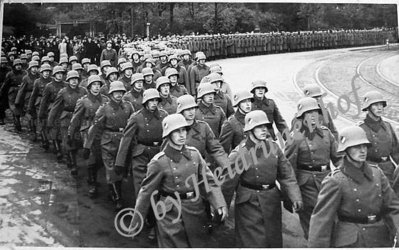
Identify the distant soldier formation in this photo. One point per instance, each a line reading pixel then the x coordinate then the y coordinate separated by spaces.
pixel 166 118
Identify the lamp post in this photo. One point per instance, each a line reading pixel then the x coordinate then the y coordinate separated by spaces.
pixel 148 31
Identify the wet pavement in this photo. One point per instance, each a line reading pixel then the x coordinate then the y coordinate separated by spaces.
pixel 41 204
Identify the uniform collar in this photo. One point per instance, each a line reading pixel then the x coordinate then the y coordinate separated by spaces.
pixel 359 175
pixel 115 105
pixel 176 155
pixel 166 99
pixel 94 97
pixel 205 108
pixel 240 117
pixel 373 124
pixel 312 134
pixel 148 114
pixel 136 93
pixel 175 88
pixel 263 100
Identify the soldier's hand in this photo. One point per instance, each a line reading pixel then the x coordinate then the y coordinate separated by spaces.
pixel 119 170
pixel 86 153
pixel 223 212
pixel 297 206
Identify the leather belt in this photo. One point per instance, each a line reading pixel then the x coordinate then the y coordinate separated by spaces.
pixel 258 187
pixel 371 219
pixel 183 196
pixel 321 168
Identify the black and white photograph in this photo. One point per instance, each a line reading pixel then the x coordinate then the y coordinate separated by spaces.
pixel 263 124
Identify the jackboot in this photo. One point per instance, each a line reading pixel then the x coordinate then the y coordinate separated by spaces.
pixel 74 167
pixel 32 129
pixel 17 123
pixel 115 194
pixel 45 142
pixel 92 180
pixel 57 150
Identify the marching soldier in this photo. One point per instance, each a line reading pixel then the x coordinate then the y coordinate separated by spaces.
pixel 111 76
pixel 167 101
pixel 261 102
pixel 233 129
pixel 225 88
pixel 104 67
pixel 384 149
pixel 49 95
pixel 136 61
pixel 197 72
pixel 85 65
pixel 127 72
pixel 92 69
pixel 221 99
pixel 4 69
pixel 149 81
pixel 356 203
pixel 135 95
pixel 25 91
pixel 142 137
pixel 176 89
pixel 182 72
pixel 110 120
pixel 168 173
pixel 121 61
pixel 207 111
pixel 83 117
pixel 257 164
pixel 10 89
pixel 310 151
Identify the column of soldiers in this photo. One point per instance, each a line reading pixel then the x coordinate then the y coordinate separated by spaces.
pixel 167 121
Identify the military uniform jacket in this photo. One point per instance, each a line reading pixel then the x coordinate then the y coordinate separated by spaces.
pixel 329 124
pixel 26 89
pixel 64 105
pixel 126 82
pixel 49 94
pixel 169 104
pixel 169 171
pixel 143 128
pixel 213 115
pixel 85 110
pixel 273 114
pixel 135 98
pixel 223 100
pixel 232 132
pixel 178 90
pixel 196 74
pixel 11 84
pixel 355 193
pixel 37 93
pixel 110 120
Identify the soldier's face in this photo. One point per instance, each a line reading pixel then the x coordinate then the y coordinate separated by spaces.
pixel 86 66
pixel 245 106
pixel 24 61
pixel 34 70
pixel 186 57
pixel 18 67
pixel 95 88
pixel 260 92
pixel 163 58
pixel 117 95
pixel 46 74
pixel 136 57
pixel 164 89
pixel 64 66
pixel 59 76
pixel 128 72
pixel 179 136
pixel 152 104
pixel 189 114
pixel 217 85
pixel 51 59
pixel 105 69
pixel 148 78
pixel 209 98
pixel 173 79
pixel 311 119
pixel 377 109
pixel 73 82
pixel 173 62
pixel 93 72
pixel 113 77
pixel 138 85
pixel 260 132
pixel 358 153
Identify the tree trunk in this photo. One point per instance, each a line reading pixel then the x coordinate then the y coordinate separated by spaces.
pixel 216 28
pixel 171 17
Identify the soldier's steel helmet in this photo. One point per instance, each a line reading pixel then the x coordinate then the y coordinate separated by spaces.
pixel 173 122
pixel 150 94
pixel 372 97
pixel 258 84
pixel 352 136
pixel 116 86
pixel 255 118
pixel 185 102
pixel 313 90
pixel 306 104
pixel 241 96
pixel 205 88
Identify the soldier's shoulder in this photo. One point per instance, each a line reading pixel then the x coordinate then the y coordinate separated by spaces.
pixel 163 112
pixel 104 97
pixel 360 123
pixel 190 148
pixel 159 156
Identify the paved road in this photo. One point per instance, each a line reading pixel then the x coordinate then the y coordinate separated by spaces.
pixel 41 205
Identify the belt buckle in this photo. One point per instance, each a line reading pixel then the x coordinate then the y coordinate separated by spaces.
pixel 190 195
pixel 120 129
pixel 265 186
pixel 324 168
pixel 155 143
pixel 384 158
pixel 372 218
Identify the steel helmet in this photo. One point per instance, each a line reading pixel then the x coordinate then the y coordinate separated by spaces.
pixel 136 77
pixel 45 59
pixel 172 122
pixel 171 72
pixel 241 96
pixel 93 67
pixel 35 58
pixel 135 52
pixel 77 66
pixel 105 63
pixel 73 58
pixel 215 77
pixel 185 52
pixel 23 56
pixel 258 84
pixel 200 56
pixel 50 54
pixel 86 60
pixel 307 104
pixel 162 80
pixel 111 70
pixel 16 62
pixel 63 60
pixel 150 94
pixel 121 60
pixel 147 71
pixel 185 102
pixel 126 65
pixel 28 52
pixel 45 67
pixel 205 88
pixel 313 90
pixel 372 97
pixel 72 74
pixel 255 118
pixel 171 57
pixel 216 69
pixel 58 69
pixel 33 64
pixel 35 53
pixel 11 53
pixel 163 53
pixel 4 59
pixel 116 86
pixel 155 53
pixel 150 60
pixel 352 136
pixel 92 79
